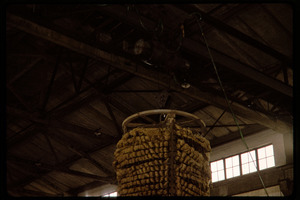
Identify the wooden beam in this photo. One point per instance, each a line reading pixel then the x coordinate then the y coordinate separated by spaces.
pixel 53 123
pixel 105 123
pixel 230 125
pixel 278 23
pixel 240 68
pixel 83 92
pixel 117 126
pixel 83 73
pixel 67 163
pixel 234 12
pixel 44 104
pixel 26 69
pixel 51 146
pixel 193 107
pixel 49 123
pixel 72 146
pixel 25 192
pixel 236 33
pixel 210 128
pixel 73 74
pixel 196 48
pixel 101 89
pixel 43 166
pixel 134 68
pixel 52 185
pixel 20 99
pixel 21 132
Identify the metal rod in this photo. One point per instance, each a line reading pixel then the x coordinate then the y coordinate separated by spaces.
pixel 159 111
pixel 73 75
pixel 28 68
pixel 20 99
pixel 51 147
pixel 210 128
pixel 82 74
pixel 51 83
pixel 108 107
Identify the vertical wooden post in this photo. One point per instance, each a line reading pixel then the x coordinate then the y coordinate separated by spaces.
pixel 172 153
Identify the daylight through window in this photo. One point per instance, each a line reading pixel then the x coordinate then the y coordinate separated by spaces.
pixel 244 163
pixel 217 170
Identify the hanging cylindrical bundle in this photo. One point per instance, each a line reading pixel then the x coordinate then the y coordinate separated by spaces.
pixel 166 160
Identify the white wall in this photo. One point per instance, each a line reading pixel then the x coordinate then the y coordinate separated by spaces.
pixel 255 140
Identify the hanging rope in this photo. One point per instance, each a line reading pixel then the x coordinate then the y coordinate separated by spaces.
pixel 226 98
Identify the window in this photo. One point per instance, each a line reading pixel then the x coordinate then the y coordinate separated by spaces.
pixel 113 194
pixel 248 162
pixel 241 164
pixel 265 157
pixel 232 166
pixel 217 170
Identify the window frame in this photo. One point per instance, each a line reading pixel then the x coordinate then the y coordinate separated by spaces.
pixel 232 167
pixel 240 162
pixel 218 170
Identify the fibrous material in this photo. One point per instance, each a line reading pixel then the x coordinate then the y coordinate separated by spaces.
pixel 168 161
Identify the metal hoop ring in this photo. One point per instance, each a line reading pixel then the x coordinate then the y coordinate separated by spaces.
pixel 161 111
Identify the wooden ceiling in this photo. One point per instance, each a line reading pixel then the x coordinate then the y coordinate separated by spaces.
pixel 71 81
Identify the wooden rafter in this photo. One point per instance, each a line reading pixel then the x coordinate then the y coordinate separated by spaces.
pixel 127 65
pixel 51 83
pixel 43 166
pixel 66 163
pixel 117 126
pixel 50 123
pixel 72 146
pixel 200 49
pixel 27 192
pixel 83 73
pixel 51 147
pixel 20 98
pixel 25 70
pixel 236 33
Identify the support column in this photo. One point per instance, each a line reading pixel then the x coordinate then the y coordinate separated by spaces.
pixel 288 141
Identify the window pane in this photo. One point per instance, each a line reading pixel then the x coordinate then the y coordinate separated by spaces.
pixel 229 173
pixel 236 160
pixel 214 177
pixel 262 164
pixel 220 165
pixel 269 150
pixel 261 153
pixel 244 158
pixel 252 156
pixel 236 171
pixel 213 166
pixel 245 168
pixel 228 162
pixel 270 161
pixel 221 175
pixel 252 167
